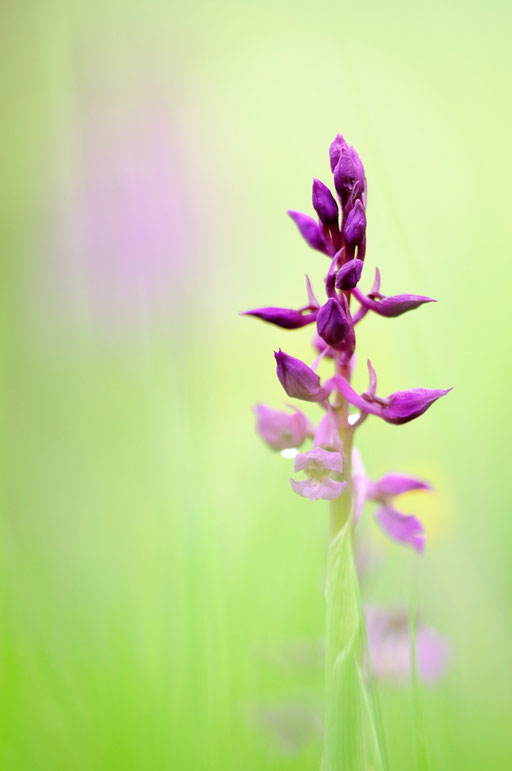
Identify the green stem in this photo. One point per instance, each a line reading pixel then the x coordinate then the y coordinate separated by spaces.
pixel 342 506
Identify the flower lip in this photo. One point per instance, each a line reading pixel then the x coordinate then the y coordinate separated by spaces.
pixel 322 468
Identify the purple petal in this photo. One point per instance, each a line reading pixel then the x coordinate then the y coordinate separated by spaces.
pixel 286 318
pixel 297 379
pixel 309 230
pixel 397 408
pixel 393 484
pixel 404 406
pixel 349 274
pixel 318 458
pixel 324 203
pixel 404 528
pixel 281 430
pixel 313 302
pixel 392 306
pixel 332 323
pixel 327 489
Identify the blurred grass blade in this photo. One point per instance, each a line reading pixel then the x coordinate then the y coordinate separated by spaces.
pixel 350 737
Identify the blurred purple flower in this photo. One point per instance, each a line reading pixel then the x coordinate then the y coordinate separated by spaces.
pixel 389 643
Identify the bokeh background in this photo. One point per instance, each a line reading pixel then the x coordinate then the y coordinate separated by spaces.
pixel 162 600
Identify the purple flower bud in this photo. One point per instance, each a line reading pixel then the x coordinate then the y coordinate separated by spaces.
pixel 323 469
pixel 355 225
pixel 349 179
pixel 401 527
pixel 349 274
pixel 391 306
pixel 335 149
pixel 281 430
pixel 309 230
pixel 297 379
pixel 332 324
pixel 283 317
pixel 324 203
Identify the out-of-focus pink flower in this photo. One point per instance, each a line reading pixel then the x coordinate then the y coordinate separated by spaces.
pixel 389 643
pixel 126 225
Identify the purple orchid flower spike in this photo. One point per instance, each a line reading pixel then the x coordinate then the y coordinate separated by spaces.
pixel 397 408
pixel 282 430
pixel 323 469
pixel 333 469
pixel 310 231
pixel 298 380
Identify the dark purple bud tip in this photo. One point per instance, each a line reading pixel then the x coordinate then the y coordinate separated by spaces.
pixel 309 230
pixel 324 203
pixel 285 318
pixel 331 323
pixel 349 274
pixel 335 150
pixel 355 225
pixel 349 179
pixel 298 380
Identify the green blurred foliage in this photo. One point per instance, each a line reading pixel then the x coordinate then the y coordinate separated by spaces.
pixel 162 589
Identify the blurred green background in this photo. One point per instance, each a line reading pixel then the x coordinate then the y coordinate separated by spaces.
pixel 162 588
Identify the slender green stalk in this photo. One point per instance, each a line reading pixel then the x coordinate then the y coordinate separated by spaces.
pixel 351 737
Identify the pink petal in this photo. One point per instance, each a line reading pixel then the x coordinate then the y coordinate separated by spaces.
pixel 327 490
pixel 404 528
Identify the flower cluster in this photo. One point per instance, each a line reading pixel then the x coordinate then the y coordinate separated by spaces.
pixel 339 232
